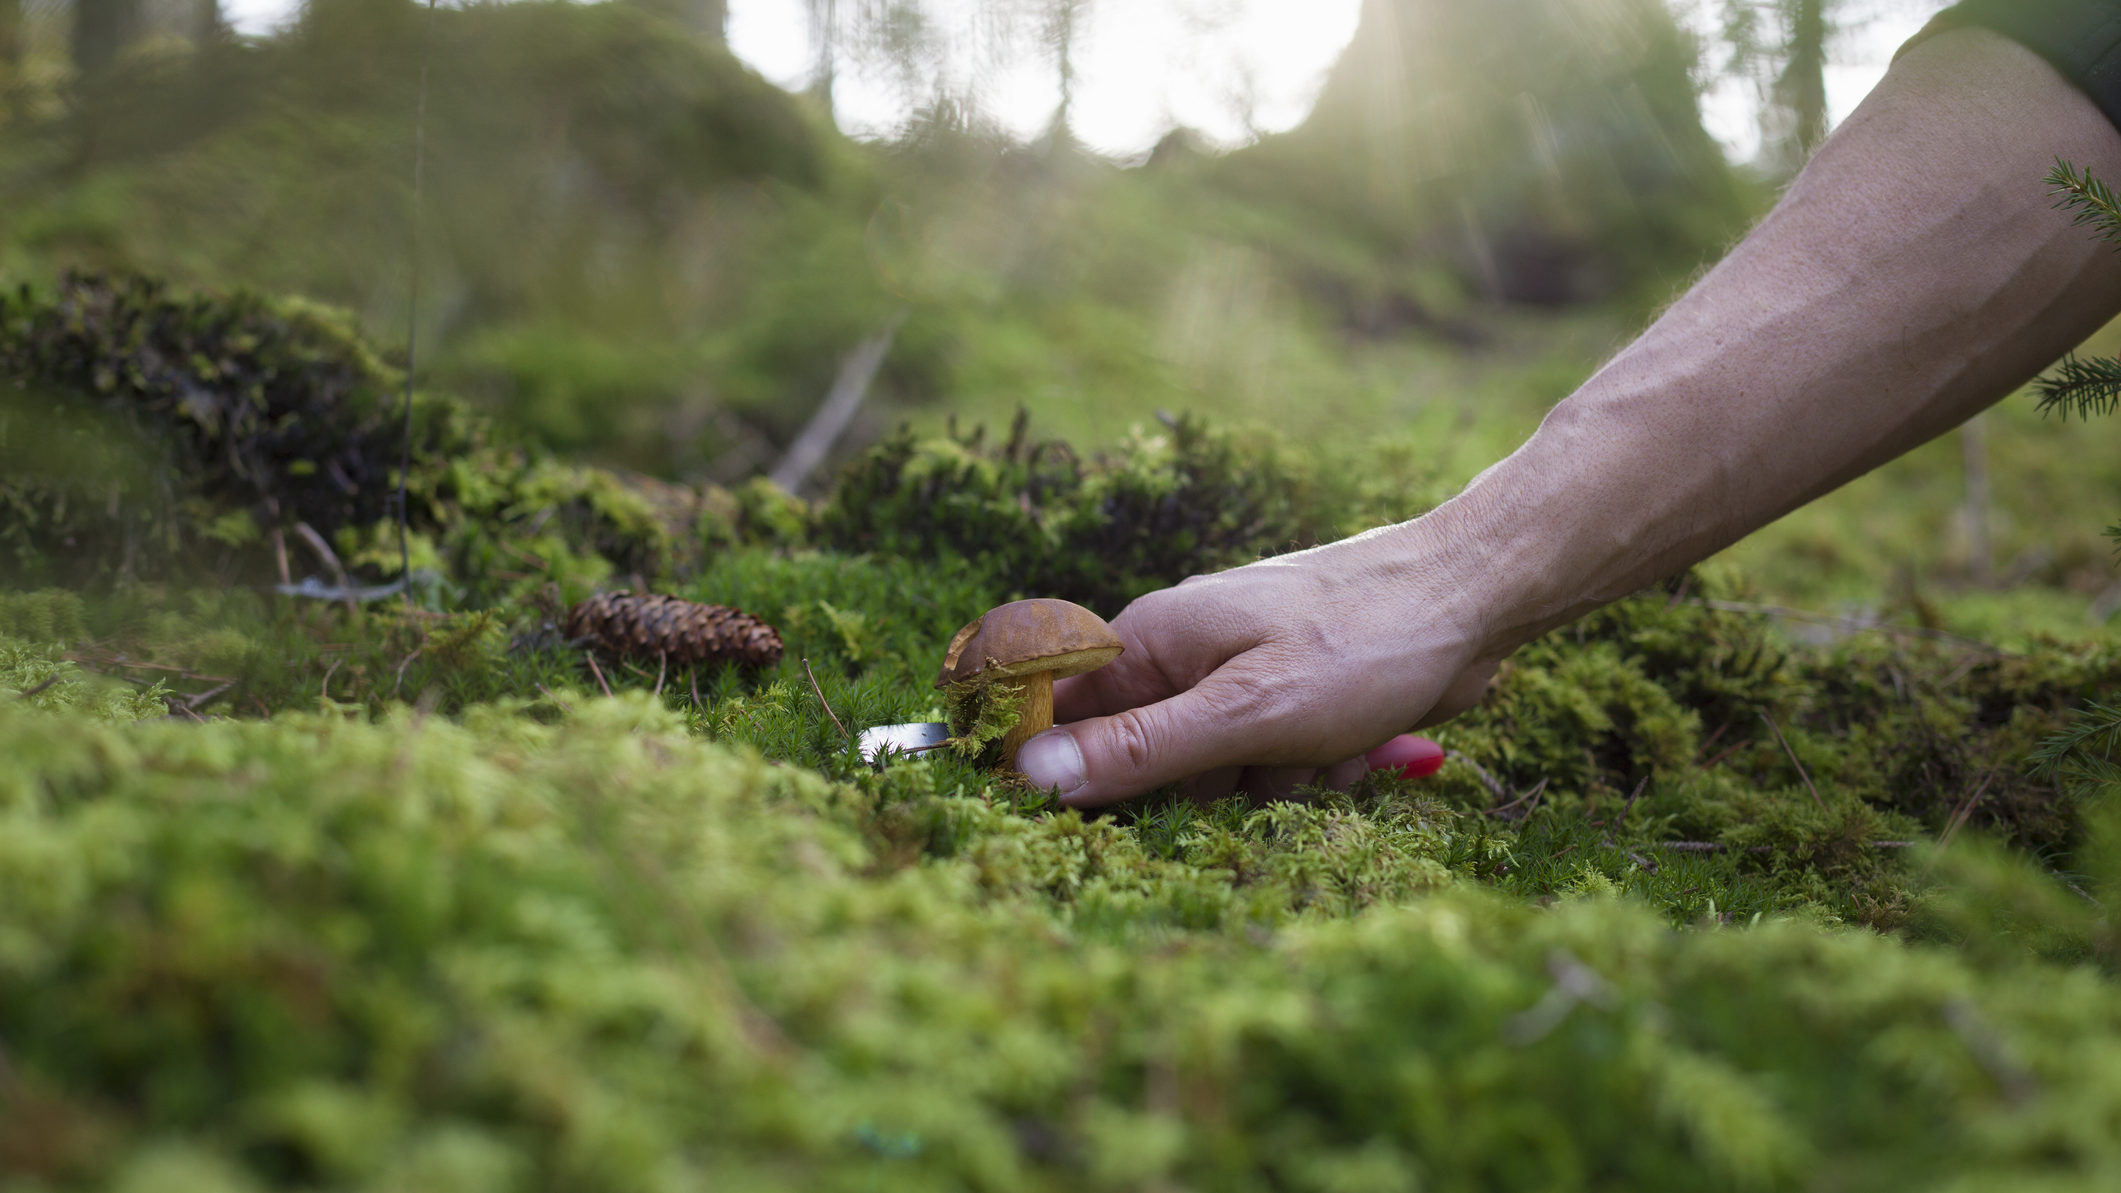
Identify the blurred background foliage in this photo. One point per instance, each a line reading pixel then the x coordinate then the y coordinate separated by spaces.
pixel 451 933
pixel 636 252
pixel 635 248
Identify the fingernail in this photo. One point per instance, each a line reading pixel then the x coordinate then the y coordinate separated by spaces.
pixel 1052 760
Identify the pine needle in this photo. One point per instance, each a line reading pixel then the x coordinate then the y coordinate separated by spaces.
pixel 2091 201
pixel 2086 387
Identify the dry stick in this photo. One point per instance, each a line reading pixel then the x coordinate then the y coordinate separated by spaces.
pixel 324 690
pixel 821 700
pixel 1713 738
pixel 207 695
pixel 29 692
pixel 564 706
pixel 662 667
pixel 1626 808
pixel 279 555
pixel 1531 797
pixel 694 674
pixel 330 559
pixel 1712 763
pixel 597 671
pixel 1494 785
pixel 1966 810
pixel 856 374
pixel 1801 772
pixel 402 665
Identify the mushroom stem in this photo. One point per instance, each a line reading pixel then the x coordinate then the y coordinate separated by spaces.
pixel 1037 715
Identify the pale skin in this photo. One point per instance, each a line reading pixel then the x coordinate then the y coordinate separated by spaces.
pixel 1914 274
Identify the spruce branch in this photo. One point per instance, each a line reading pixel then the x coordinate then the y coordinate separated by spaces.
pixel 2086 386
pixel 2091 201
pixel 2085 746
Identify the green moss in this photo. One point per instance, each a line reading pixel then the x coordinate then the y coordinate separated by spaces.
pixel 336 953
pixel 980 715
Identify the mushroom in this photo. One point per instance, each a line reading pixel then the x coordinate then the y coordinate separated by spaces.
pixel 1032 642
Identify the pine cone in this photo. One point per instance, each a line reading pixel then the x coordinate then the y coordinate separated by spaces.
pixel 621 623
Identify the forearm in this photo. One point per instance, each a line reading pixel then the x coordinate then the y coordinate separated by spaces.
pixel 1914 274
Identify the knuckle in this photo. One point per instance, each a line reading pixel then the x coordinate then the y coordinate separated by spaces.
pixel 1133 739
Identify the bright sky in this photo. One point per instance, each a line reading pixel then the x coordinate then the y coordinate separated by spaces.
pixel 1226 68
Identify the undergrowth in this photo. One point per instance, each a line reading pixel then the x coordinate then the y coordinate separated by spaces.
pixel 416 893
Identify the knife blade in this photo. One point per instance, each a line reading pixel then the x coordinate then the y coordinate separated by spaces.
pixel 884 741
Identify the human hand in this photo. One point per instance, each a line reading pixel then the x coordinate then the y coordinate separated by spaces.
pixel 1266 677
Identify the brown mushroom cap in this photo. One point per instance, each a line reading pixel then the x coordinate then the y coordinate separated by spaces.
pixel 1027 637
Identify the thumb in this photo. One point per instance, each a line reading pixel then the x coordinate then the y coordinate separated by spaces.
pixel 1107 759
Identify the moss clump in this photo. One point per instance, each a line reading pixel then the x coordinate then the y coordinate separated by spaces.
pixel 152 435
pixel 980 715
pixel 497 952
pixel 1098 532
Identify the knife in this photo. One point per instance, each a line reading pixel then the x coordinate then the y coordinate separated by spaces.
pixel 1413 757
pixel 887 741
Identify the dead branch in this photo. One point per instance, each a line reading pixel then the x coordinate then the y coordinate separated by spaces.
pixel 1801 772
pixel 821 700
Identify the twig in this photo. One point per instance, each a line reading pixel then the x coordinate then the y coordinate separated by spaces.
pixel 564 706
pixel 821 700
pixel 403 664
pixel 662 667
pixel 1494 785
pixel 597 671
pixel 26 693
pixel 1713 738
pixel 694 674
pixel 1992 1052
pixel 208 694
pixel 1965 811
pixel 1801 772
pixel 1530 799
pixel 1626 808
pixel 857 373
pixel 1713 763
pixel 1647 865
pixel 324 690
pixel 279 555
pixel 323 550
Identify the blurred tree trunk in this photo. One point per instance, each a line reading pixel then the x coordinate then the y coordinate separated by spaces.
pixel 825 26
pixel 101 30
pixel 1801 88
pixel 1063 22
pixel 208 28
pixel 10 33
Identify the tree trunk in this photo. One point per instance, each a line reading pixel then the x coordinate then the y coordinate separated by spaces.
pixel 208 28
pixel 1066 18
pixel 10 34
pixel 102 28
pixel 1802 86
pixel 825 26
